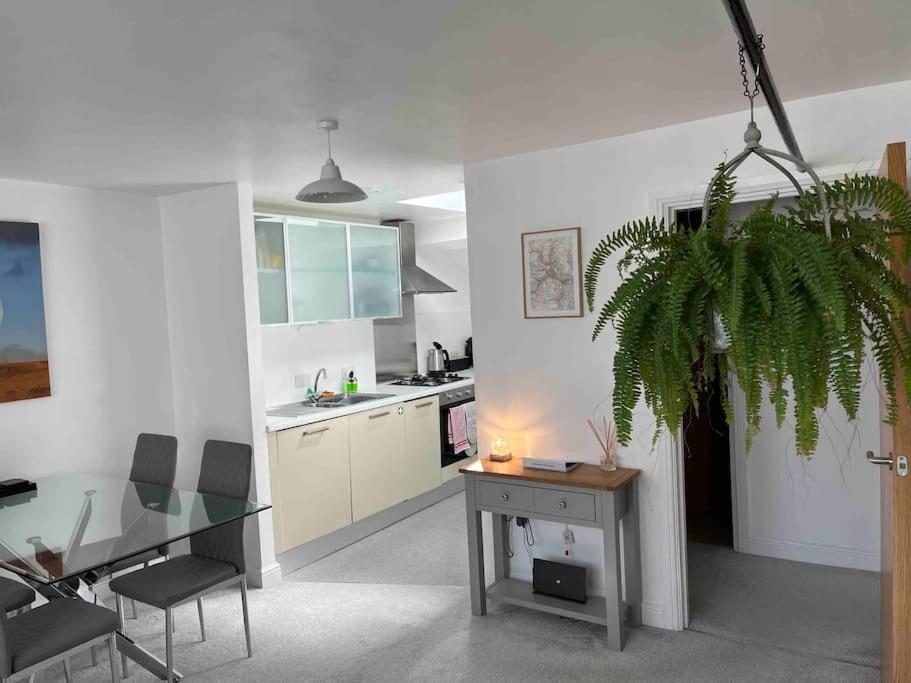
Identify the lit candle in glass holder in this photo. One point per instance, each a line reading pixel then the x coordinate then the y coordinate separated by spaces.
pixel 499 450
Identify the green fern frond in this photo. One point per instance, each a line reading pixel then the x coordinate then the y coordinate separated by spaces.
pixel 798 308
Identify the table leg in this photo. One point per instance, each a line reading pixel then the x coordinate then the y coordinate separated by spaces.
pixel 632 561
pixel 500 558
pixel 612 577
pixel 475 551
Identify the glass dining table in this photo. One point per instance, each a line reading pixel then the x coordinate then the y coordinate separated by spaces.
pixel 65 536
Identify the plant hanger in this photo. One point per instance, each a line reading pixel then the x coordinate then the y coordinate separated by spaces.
pixel 752 137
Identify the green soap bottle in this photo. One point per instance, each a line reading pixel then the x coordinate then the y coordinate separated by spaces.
pixel 351 383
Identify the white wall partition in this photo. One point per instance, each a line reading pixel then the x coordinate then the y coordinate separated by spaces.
pixel 537 380
pixel 107 332
pixel 213 314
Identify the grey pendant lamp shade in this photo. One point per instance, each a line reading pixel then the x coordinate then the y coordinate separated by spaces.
pixel 330 188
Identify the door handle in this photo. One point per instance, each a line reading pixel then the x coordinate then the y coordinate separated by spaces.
pixel 423 405
pixel 318 430
pixel 376 415
pixel 901 462
pixel 874 459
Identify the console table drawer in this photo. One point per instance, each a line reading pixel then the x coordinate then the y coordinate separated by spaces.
pixel 506 496
pixel 565 504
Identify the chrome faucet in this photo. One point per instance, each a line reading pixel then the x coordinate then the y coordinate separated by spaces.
pixel 314 395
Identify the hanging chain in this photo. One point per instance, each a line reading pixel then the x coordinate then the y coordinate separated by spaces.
pixel 750 94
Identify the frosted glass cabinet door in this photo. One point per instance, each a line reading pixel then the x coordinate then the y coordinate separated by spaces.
pixel 318 260
pixel 270 268
pixel 375 275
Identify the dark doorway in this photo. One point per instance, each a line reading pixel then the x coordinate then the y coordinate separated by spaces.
pixel 707 454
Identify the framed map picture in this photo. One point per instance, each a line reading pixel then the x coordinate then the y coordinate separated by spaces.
pixel 552 273
pixel 24 369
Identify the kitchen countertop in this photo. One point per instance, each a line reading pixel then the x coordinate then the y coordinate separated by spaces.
pixel 399 393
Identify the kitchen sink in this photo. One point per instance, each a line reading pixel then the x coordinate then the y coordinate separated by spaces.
pixel 337 401
pixel 345 400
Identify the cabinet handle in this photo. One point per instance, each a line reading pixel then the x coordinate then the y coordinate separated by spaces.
pixel 505 496
pixel 423 405
pixel 562 504
pixel 376 415
pixel 318 430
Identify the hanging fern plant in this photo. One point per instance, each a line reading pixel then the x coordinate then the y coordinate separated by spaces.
pixel 797 307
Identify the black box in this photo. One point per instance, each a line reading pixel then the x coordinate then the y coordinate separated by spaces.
pixel 559 579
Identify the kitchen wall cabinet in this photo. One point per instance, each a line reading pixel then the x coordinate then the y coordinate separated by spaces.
pixel 422 445
pixel 318 270
pixel 379 466
pixel 270 271
pixel 375 272
pixel 314 270
pixel 311 481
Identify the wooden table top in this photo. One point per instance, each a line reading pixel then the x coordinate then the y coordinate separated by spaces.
pixel 584 476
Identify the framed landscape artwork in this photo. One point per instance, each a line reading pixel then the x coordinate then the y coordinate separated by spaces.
pixel 24 371
pixel 552 273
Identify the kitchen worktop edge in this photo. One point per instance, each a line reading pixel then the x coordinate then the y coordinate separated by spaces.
pixel 400 394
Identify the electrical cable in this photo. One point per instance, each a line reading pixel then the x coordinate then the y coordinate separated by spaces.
pixel 529 539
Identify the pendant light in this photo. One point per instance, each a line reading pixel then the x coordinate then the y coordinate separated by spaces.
pixel 330 188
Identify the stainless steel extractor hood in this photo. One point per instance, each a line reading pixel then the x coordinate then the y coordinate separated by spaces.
pixel 415 280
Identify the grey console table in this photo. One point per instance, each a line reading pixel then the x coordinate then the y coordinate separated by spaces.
pixel 586 496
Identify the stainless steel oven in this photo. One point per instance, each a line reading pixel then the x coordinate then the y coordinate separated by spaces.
pixel 449 399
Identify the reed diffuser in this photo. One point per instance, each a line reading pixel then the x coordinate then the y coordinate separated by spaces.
pixel 607 439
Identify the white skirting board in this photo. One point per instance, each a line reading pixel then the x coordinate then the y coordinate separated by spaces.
pixel 833 556
pixel 265 577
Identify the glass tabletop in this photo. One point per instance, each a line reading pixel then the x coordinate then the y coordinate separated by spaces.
pixel 76 523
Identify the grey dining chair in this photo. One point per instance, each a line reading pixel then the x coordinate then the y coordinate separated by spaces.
pixel 154 462
pixel 216 558
pixel 52 633
pixel 15 596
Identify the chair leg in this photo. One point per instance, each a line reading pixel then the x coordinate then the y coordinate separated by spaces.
pixel 92 649
pixel 202 621
pixel 67 672
pixel 112 650
pixel 243 600
pixel 123 656
pixel 169 643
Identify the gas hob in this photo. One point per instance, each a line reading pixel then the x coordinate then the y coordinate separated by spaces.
pixel 427 380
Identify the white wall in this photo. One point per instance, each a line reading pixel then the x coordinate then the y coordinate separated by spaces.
pixel 289 350
pixel 213 317
pixel 442 250
pixel 536 381
pixel 101 257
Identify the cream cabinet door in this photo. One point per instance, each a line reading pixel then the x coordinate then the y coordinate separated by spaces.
pixel 422 445
pixel 313 484
pixel 378 463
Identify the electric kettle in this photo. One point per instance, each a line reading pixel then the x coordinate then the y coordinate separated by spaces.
pixel 437 360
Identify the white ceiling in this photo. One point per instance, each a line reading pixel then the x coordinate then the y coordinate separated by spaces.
pixel 157 95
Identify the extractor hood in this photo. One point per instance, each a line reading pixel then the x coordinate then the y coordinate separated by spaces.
pixel 415 280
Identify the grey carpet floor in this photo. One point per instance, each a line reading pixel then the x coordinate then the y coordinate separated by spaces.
pixel 806 608
pixel 394 607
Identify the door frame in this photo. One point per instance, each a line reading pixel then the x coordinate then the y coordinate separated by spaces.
pixel 665 203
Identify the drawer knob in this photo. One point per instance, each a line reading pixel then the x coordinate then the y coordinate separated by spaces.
pixel 562 504
pixel 505 496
